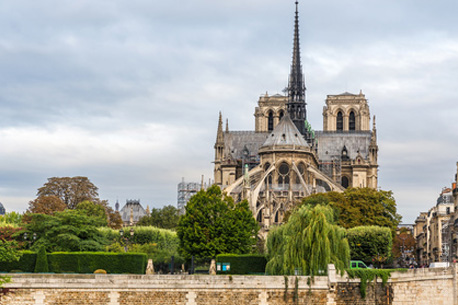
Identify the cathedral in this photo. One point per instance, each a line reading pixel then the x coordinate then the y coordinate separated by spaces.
pixel 284 159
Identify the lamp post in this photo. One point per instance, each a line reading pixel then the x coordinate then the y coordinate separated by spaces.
pixel 30 241
pixel 126 239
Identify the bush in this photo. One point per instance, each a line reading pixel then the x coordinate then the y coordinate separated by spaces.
pixel 100 271
pixel 371 244
pixel 41 264
pixel 243 263
pixel 26 263
pixel 88 262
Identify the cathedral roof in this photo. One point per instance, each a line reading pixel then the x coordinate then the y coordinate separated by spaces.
pixel 238 141
pixel 134 207
pixel 2 209
pixel 285 135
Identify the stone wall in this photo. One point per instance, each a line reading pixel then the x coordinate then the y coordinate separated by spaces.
pixel 414 287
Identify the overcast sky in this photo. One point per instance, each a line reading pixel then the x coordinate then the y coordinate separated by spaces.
pixel 127 93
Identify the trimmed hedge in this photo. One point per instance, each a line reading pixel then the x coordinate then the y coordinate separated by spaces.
pixel 88 262
pixel 243 263
pixel 82 262
pixel 25 264
pixel 41 264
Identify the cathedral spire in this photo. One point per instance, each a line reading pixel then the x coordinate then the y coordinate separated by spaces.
pixel 220 135
pixel 296 84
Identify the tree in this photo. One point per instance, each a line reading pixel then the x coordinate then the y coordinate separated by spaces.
pixel 166 218
pixel 48 204
pixel 70 230
pixel 403 246
pixel 371 244
pixel 214 224
pixel 71 190
pixel 360 207
pixel 308 242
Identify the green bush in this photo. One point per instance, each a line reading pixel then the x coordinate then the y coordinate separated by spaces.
pixel 42 263
pixel 26 263
pixel 371 244
pixel 243 263
pixel 88 262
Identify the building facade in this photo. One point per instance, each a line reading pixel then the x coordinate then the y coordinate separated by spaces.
pixel 434 230
pixel 284 159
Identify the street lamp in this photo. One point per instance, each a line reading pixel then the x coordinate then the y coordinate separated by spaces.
pixel 126 239
pixel 30 241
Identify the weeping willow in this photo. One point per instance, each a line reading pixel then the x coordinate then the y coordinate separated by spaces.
pixel 308 242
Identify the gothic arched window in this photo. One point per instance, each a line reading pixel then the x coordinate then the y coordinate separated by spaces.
pixel 345 182
pixel 270 121
pixel 281 114
pixel 352 121
pixel 339 121
pixel 283 174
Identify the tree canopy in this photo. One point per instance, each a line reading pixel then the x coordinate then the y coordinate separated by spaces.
pixel 70 230
pixel 46 204
pixel 71 190
pixel 360 207
pixel 166 218
pixel 371 244
pixel 308 242
pixel 214 224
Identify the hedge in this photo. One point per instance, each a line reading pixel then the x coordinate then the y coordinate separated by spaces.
pixel 88 262
pixel 82 262
pixel 25 264
pixel 243 263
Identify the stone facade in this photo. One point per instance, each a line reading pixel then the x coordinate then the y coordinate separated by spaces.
pixel 284 159
pixel 415 287
pixel 435 231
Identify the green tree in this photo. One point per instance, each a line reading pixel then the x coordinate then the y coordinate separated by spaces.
pixel 70 230
pixel 214 224
pixel 166 218
pixel 71 190
pixel 309 241
pixel 41 264
pixel 371 244
pixel 360 207
pixel 11 219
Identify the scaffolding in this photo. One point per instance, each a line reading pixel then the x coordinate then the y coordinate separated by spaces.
pixel 185 191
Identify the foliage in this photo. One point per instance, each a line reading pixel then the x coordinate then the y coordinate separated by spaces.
pixel 48 204
pixel 166 218
pixel 26 263
pixel 371 244
pixel 88 262
pixel 243 263
pixel 71 190
pixel 8 251
pixel 404 241
pixel 158 244
pixel 360 207
pixel 214 224
pixel 41 264
pixel 100 271
pixel 12 219
pixel 70 230
pixel 308 242
pixel 368 275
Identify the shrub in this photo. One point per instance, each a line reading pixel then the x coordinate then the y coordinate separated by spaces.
pixel 26 263
pixel 371 244
pixel 100 271
pixel 41 264
pixel 88 262
pixel 243 263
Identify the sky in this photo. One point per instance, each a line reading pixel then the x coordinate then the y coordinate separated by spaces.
pixel 127 93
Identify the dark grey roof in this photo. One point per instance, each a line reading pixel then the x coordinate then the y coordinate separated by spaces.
pixel 137 210
pixel 330 144
pixel 2 209
pixel 285 134
pixel 236 141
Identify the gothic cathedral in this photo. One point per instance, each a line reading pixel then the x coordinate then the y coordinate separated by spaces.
pixel 284 159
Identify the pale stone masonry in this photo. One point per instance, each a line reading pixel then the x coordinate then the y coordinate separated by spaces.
pixel 436 286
